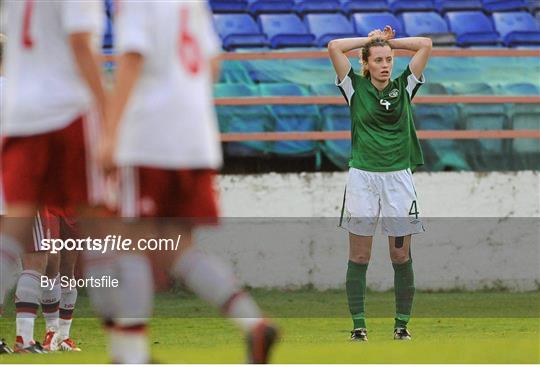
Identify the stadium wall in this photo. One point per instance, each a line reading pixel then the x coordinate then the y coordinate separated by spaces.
pixel 280 231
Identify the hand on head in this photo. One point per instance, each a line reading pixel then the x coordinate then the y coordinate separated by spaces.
pixel 387 33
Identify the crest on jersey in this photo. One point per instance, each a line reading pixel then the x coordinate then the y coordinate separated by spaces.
pixel 393 93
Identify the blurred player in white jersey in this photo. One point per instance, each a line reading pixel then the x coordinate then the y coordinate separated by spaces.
pixel 164 138
pixel 54 84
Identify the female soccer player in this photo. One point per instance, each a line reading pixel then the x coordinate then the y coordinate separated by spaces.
pixel 385 150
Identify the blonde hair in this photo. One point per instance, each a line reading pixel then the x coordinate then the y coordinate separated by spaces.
pixel 375 42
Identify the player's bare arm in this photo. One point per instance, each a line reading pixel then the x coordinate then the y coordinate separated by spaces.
pixel 338 49
pixel 128 72
pixel 89 67
pixel 422 47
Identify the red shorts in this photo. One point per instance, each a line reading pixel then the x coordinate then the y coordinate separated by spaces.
pixel 153 192
pixel 46 225
pixel 51 169
pixel 53 223
pixel 67 216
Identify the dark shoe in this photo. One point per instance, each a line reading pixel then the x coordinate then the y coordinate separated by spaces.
pixel 4 348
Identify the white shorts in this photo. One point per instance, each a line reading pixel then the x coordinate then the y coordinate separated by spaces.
pixel 390 195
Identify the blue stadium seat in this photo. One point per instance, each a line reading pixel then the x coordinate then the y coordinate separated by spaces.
pixel 239 30
pixel 324 89
pixel 443 6
pixel 432 89
pixel 474 88
pixel 243 119
pixel 436 117
pixel 503 5
pixel 429 24
pixel 337 118
pixel 317 6
pixel 327 27
pixel 472 28
pixel 441 154
pixel 485 152
pixel 526 152
pixel 355 6
pixel 520 89
pixel 234 72
pixel 285 30
pixel 517 28
pixel 399 6
pixel 291 118
pixel 228 6
pixel 366 22
pixel 334 118
pixel 257 7
pixel 289 71
pixel 266 72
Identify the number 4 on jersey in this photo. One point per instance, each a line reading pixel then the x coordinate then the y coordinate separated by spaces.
pixel 414 210
pixel 384 103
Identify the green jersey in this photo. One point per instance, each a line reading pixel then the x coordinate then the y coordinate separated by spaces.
pixel 382 127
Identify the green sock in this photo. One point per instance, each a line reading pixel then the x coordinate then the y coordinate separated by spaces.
pixel 356 292
pixel 404 291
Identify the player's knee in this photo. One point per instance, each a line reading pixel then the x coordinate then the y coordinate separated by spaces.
pixel 360 258
pixel 399 257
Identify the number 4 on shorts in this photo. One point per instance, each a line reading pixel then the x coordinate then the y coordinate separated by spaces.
pixel 413 207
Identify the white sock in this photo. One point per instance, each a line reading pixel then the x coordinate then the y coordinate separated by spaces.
pixel 243 311
pixel 103 299
pixel 27 299
pixel 64 327
pixel 215 283
pixel 25 327
pixel 135 290
pixel 129 305
pixel 135 293
pixel 50 302
pixel 67 305
pixel 129 347
pixel 9 256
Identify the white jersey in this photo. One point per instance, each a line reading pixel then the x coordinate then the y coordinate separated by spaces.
pixel 46 91
pixel 169 121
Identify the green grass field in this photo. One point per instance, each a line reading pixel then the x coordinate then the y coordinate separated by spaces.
pixel 484 327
